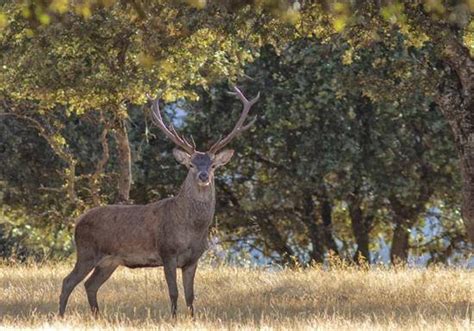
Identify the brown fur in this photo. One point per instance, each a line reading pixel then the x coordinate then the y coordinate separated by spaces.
pixel 171 233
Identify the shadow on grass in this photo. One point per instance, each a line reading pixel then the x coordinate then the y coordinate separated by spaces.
pixel 279 303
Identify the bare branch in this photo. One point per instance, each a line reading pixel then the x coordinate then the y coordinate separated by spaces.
pixel 59 150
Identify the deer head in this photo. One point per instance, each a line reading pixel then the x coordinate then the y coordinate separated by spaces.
pixel 202 165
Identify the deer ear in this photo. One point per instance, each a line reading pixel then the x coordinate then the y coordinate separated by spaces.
pixel 181 156
pixel 223 157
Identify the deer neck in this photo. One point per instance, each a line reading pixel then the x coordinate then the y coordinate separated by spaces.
pixel 198 202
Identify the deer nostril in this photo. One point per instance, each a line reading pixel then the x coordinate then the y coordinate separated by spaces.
pixel 203 176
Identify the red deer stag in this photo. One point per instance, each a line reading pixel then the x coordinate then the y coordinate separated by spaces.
pixel 171 232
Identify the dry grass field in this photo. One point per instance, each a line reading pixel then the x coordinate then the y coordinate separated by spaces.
pixel 246 299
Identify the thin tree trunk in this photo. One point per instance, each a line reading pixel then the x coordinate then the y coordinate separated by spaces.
pixel 95 179
pixel 71 180
pixel 315 233
pixel 125 163
pixel 361 222
pixel 405 217
pixel 361 228
pixel 326 216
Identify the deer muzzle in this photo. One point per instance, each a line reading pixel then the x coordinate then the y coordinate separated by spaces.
pixel 203 178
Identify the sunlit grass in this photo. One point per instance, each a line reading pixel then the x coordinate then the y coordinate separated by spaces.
pixel 241 298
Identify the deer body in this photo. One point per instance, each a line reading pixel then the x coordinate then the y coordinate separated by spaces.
pixel 143 235
pixel 171 233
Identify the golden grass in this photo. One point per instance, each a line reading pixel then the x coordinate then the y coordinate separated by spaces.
pixel 247 299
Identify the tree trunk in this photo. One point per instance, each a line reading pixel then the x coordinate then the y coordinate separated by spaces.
pixel 468 192
pixel 361 224
pixel 456 100
pixel 326 216
pixel 315 233
pixel 96 177
pixel 361 228
pixel 125 163
pixel 399 249
pixel 405 217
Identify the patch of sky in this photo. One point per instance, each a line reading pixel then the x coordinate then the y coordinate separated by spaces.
pixel 176 112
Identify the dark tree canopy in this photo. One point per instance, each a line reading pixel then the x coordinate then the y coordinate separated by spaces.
pixel 364 122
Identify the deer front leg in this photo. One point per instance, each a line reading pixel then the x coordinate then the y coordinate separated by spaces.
pixel 170 275
pixel 188 283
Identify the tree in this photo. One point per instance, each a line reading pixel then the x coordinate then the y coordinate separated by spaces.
pixel 321 144
pixel 449 27
pixel 96 60
pixel 378 62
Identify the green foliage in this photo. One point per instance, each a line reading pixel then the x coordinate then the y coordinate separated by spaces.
pixel 348 130
pixel 320 137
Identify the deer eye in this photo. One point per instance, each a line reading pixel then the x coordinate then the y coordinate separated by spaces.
pixel 192 166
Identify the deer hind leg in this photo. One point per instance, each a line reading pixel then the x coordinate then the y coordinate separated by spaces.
pixel 80 271
pixel 95 281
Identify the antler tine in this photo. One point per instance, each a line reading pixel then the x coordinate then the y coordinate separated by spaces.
pixel 249 124
pixel 186 141
pixel 193 142
pixel 239 127
pixel 182 137
pixel 169 132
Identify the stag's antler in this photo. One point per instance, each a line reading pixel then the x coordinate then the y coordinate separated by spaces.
pixel 170 132
pixel 239 127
